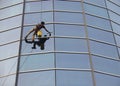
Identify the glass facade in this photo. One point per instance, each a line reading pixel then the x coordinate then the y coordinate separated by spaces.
pixel 83 50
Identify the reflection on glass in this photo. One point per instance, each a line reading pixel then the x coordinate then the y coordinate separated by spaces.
pixel 116 28
pixel 68 17
pixel 11 11
pixel 8 66
pixel 9 50
pixel 106 80
pixel 45 78
pixel 5 3
pixel 103 49
pixel 73 78
pixel 101 64
pixel 113 7
pixel 38 6
pixel 38 17
pixel 8 81
pixel 67 5
pixel 27 48
pixel 98 22
pixel 10 36
pixel 67 44
pixel 101 35
pixel 40 61
pixel 95 10
pixel 72 61
pixel 28 28
pixel 69 30
pixel 96 2
pixel 10 23
pixel 117 39
pixel 114 17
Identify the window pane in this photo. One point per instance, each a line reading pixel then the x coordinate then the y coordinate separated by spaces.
pixel 103 49
pixel 113 7
pixel 40 61
pixel 101 64
pixel 67 44
pixel 115 1
pixel 69 30
pixel 45 78
pixel 117 39
pixel 95 10
pixel 8 66
pixel 68 5
pixel 114 17
pixel 96 2
pixel 106 80
pixel 10 23
pixel 11 11
pixel 73 78
pixel 36 6
pixel 26 29
pixel 101 35
pixel 38 17
pixel 49 44
pixel 10 36
pixel 68 17
pixel 72 61
pixel 116 28
pixel 5 3
pixel 8 81
pixel 98 22
pixel 9 50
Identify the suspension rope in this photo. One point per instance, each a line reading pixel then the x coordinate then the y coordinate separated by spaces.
pixel 41 11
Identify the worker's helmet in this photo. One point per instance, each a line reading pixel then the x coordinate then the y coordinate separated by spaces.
pixel 43 22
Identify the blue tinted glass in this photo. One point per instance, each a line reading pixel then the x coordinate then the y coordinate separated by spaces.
pixel 72 61
pixel 10 23
pixel 8 66
pixel 95 10
pixel 40 61
pixel 8 81
pixel 103 49
pixel 38 17
pixel 101 64
pixel 73 78
pixel 100 35
pixel 69 30
pixel 67 44
pixel 113 7
pixel 68 17
pixel 114 17
pixel 9 50
pixel 117 39
pixel 106 80
pixel 98 22
pixel 45 78
pixel 67 5
pixel 49 44
pixel 116 28
pixel 10 36
pixel 96 2
pixel 27 48
pixel 11 11
pixel 38 6
pixel 5 3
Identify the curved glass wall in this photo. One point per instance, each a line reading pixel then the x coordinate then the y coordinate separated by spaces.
pixel 84 47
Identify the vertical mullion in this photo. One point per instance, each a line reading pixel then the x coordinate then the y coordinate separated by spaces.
pixel 54 39
pixel 88 44
pixel 20 45
pixel 112 30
